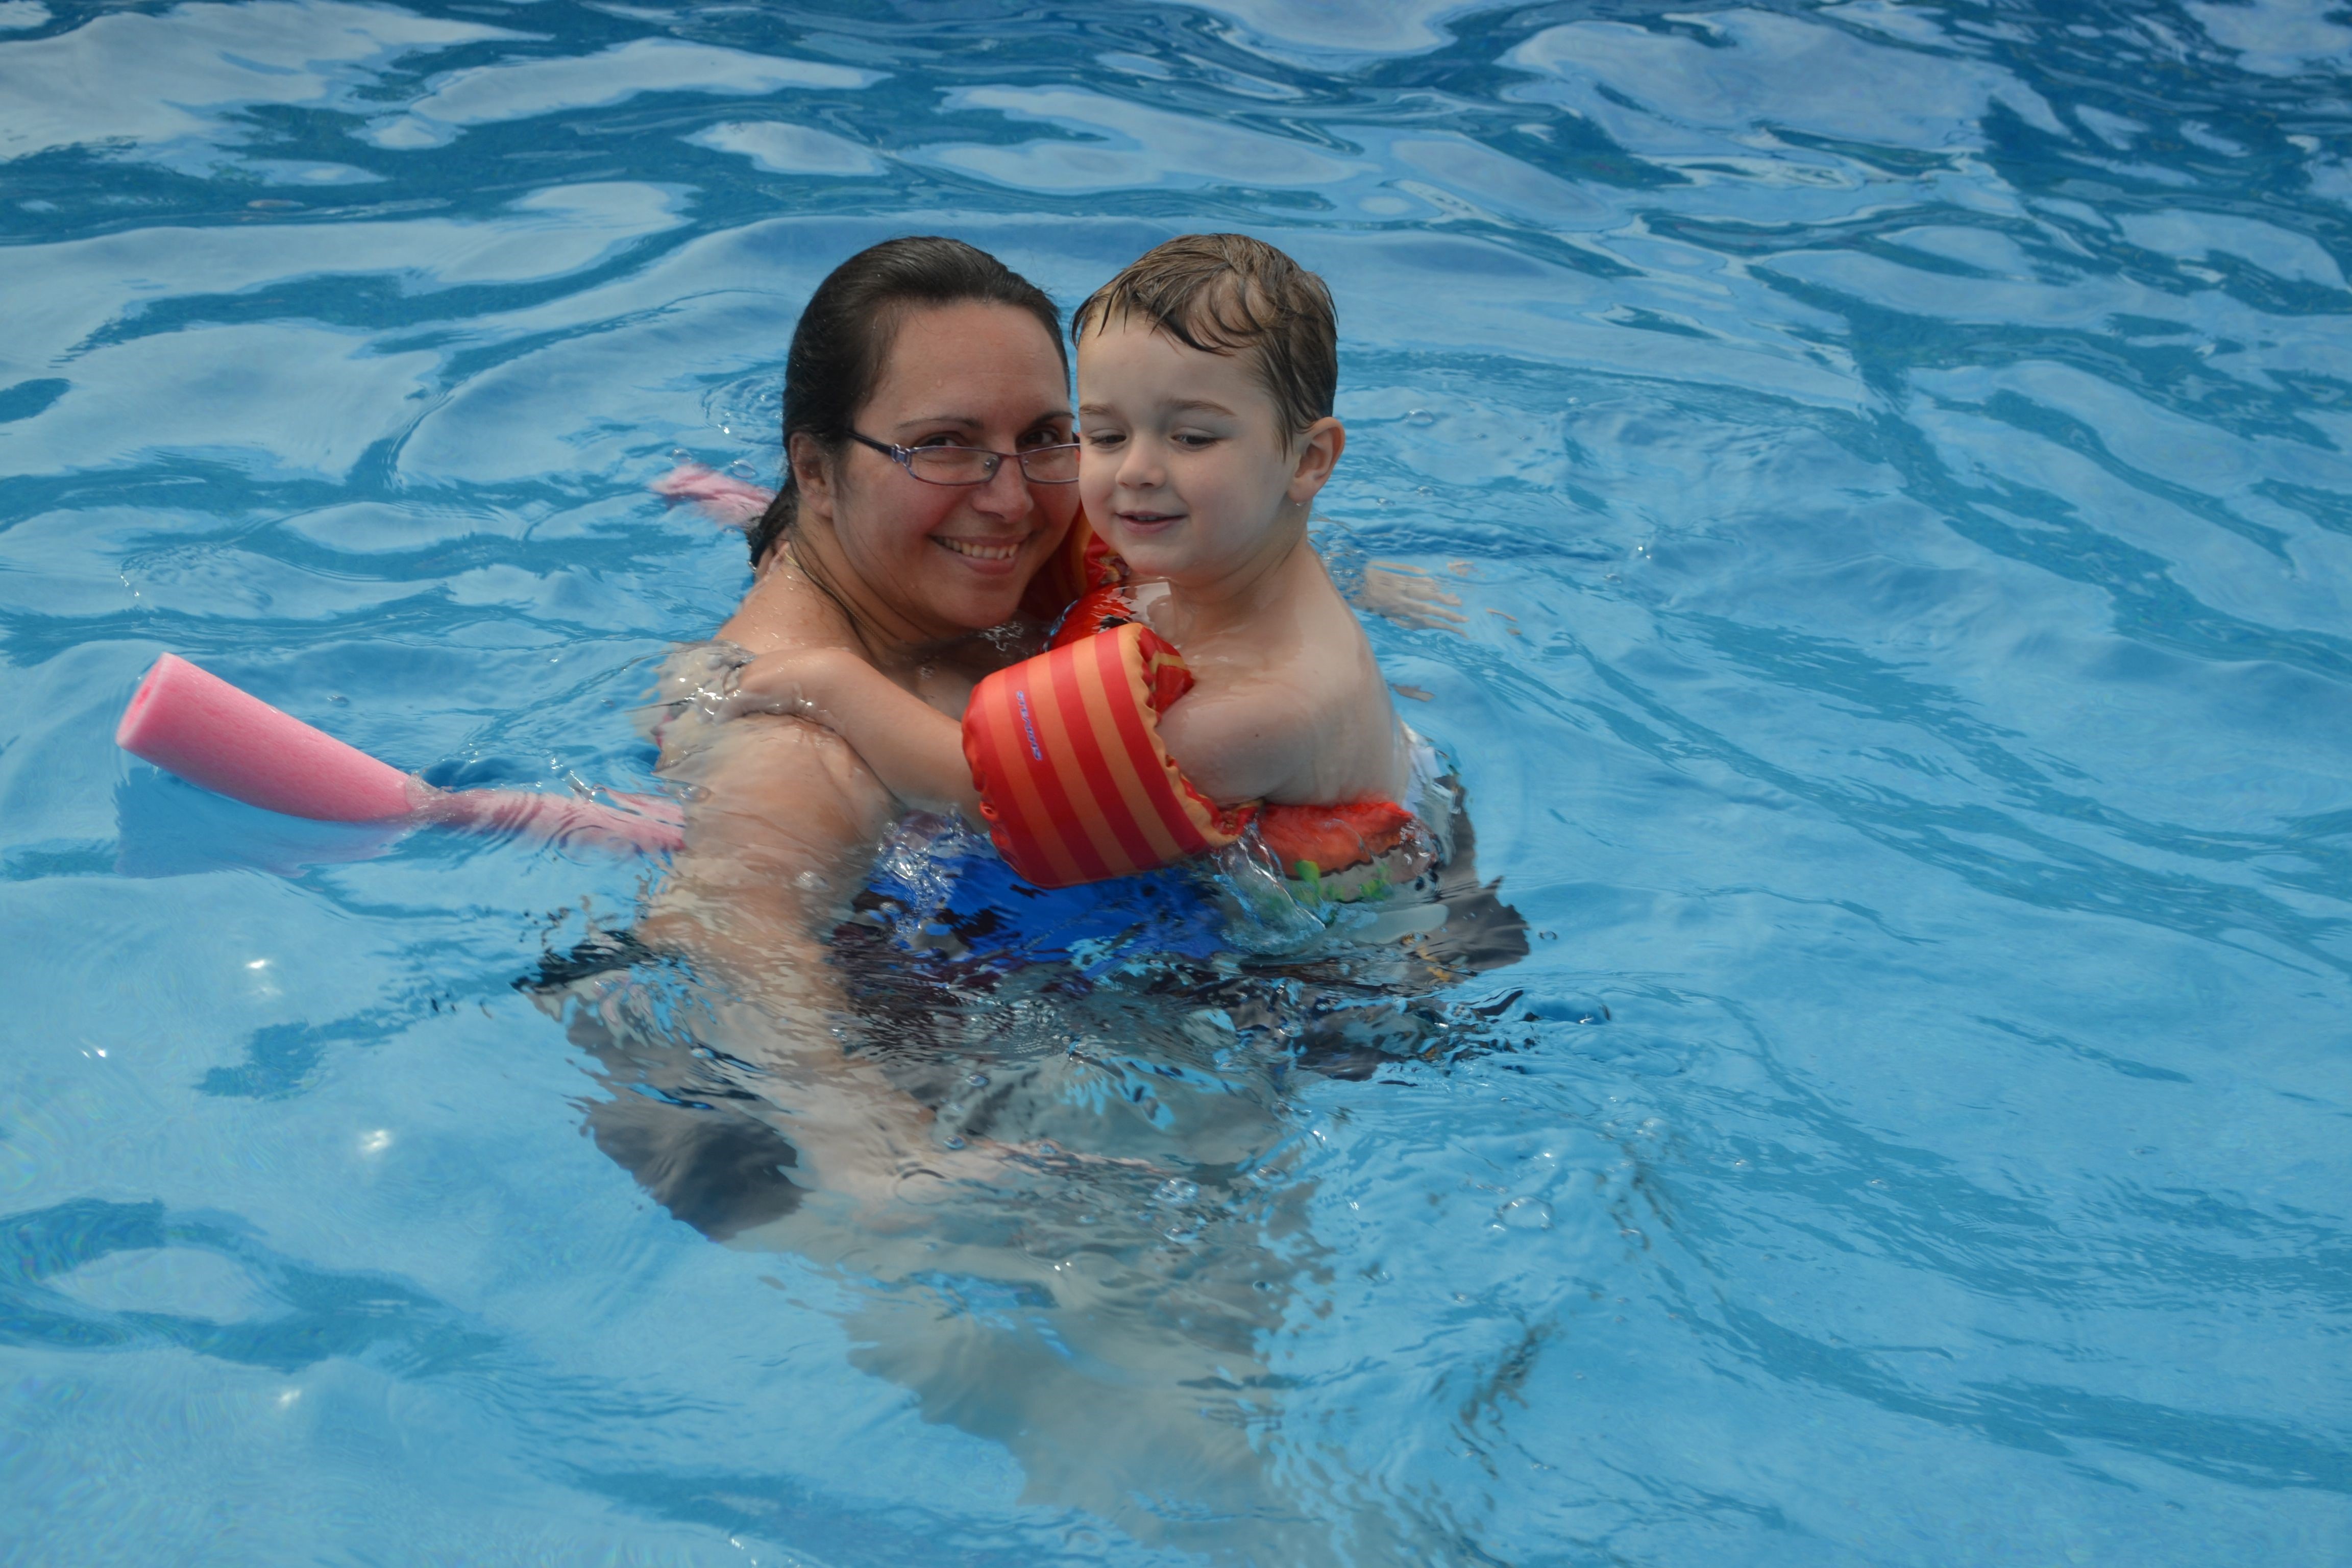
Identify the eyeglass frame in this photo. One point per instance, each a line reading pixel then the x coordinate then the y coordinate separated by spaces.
pixel 904 458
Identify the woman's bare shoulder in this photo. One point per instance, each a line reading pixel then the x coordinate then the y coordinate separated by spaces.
pixel 785 610
pixel 771 802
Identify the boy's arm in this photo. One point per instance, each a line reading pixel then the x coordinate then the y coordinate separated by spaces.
pixel 1255 741
pixel 913 748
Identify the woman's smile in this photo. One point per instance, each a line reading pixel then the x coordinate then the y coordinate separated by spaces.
pixel 992 555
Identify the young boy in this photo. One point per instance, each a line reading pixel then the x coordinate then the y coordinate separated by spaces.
pixel 1206 374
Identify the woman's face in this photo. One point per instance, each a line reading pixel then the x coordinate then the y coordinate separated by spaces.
pixel 944 560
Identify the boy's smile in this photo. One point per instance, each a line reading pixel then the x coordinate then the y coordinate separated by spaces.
pixel 1184 465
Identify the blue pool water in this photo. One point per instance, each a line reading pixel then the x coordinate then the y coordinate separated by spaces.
pixel 1893 462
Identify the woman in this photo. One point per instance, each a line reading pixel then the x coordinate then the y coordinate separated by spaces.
pixel 929 474
pixel 928 432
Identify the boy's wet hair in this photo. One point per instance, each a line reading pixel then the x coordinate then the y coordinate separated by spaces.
pixel 1226 293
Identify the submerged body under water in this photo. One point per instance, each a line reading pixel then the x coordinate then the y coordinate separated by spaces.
pixel 1876 1096
pixel 1098 1300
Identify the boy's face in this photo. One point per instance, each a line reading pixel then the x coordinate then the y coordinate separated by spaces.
pixel 1184 465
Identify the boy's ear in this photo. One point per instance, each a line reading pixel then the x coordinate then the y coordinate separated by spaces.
pixel 1319 446
pixel 811 474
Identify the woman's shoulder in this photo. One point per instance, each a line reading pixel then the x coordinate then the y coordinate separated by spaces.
pixel 784 609
pixel 779 776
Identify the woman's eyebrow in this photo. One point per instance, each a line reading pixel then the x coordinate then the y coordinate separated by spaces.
pixel 971 422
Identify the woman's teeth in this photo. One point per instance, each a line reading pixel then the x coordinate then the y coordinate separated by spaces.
pixel 979 550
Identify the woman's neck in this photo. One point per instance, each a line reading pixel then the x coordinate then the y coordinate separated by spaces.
pixel 889 639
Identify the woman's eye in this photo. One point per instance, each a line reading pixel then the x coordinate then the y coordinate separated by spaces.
pixel 942 440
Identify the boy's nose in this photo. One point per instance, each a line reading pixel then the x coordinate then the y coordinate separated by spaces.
pixel 1141 470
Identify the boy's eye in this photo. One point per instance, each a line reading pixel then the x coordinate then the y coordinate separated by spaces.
pixel 1103 437
pixel 1193 440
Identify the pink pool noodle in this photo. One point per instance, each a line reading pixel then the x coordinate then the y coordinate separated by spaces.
pixel 737 503
pixel 209 732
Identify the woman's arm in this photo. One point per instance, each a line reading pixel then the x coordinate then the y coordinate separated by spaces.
pixel 780 820
pixel 913 748
pixel 782 824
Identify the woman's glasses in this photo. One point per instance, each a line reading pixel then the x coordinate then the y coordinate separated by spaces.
pixel 976 466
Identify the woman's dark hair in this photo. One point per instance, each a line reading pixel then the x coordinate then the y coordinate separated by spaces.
pixel 846 331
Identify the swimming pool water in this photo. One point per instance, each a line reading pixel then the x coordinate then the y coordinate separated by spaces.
pixel 1892 459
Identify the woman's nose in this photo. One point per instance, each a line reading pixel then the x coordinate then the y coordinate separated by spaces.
pixel 1006 491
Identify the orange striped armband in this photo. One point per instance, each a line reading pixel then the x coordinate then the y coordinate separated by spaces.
pixel 1075 782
